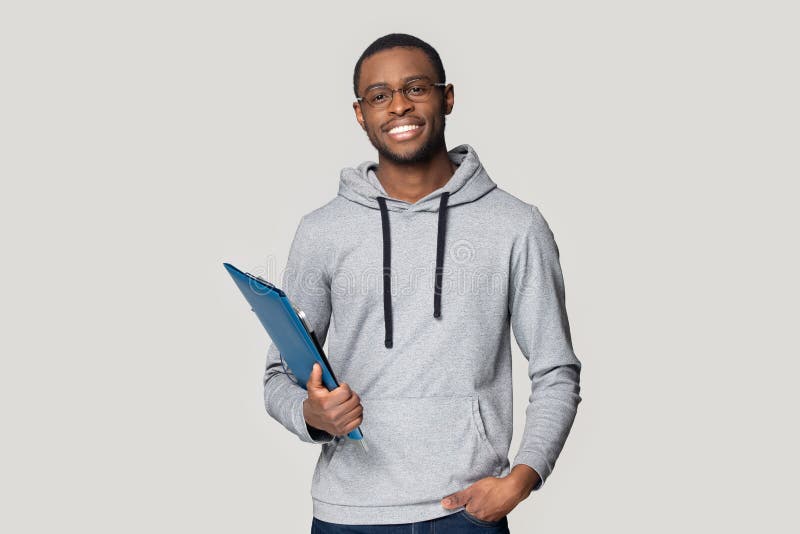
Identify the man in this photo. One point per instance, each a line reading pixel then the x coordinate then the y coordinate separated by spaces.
pixel 415 273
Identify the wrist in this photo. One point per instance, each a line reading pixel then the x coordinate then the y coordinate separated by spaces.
pixel 524 478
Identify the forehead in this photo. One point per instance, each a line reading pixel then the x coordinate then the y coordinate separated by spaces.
pixel 393 65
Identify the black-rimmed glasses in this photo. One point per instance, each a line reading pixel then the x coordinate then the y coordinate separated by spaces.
pixel 415 91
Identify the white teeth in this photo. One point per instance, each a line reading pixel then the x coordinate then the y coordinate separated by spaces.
pixel 405 128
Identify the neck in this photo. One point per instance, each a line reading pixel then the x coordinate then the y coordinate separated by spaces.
pixel 412 181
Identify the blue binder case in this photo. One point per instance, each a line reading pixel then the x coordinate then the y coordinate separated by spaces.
pixel 289 330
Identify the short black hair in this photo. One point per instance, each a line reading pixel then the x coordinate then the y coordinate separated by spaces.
pixel 404 40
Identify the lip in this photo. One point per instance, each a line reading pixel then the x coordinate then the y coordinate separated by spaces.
pixel 404 136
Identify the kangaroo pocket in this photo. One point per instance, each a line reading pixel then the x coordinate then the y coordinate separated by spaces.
pixel 420 449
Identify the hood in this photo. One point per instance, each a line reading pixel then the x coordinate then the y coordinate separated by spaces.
pixel 361 185
pixel 469 182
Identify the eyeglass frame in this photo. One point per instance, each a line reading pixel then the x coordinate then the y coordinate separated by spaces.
pixel 401 90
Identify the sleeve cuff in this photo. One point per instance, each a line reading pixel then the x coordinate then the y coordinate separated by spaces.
pixel 535 461
pixel 303 431
pixel 319 435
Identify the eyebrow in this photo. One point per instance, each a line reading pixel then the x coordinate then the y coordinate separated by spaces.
pixel 405 81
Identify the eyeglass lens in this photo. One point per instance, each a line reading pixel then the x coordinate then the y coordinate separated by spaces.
pixel 416 91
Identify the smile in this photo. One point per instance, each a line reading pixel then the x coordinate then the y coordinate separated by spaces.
pixel 401 133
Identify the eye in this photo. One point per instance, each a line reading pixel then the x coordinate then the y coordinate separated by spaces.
pixel 378 97
pixel 416 90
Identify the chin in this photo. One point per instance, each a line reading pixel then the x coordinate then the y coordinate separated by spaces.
pixel 414 156
pixel 421 150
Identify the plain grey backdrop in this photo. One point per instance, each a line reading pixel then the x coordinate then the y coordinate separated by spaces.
pixel 144 143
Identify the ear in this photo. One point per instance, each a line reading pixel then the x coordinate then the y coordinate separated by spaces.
pixel 449 98
pixel 359 115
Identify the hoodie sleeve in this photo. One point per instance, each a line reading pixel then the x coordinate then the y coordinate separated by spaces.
pixel 305 281
pixel 541 328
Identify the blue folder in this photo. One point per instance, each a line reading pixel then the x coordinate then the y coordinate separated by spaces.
pixel 288 329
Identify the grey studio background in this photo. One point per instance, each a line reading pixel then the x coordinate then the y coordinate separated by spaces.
pixel 144 143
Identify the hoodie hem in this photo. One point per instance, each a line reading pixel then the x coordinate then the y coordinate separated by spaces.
pixel 378 515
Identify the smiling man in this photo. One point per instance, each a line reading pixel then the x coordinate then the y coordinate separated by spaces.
pixel 416 273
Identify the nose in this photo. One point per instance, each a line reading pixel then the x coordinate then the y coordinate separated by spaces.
pixel 400 104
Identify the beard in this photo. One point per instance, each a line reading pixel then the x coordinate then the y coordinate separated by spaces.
pixel 434 143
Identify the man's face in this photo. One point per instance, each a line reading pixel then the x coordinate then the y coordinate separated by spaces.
pixel 394 68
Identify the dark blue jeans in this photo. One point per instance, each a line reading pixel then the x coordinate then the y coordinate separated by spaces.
pixel 460 522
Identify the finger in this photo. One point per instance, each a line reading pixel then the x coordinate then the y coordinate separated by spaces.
pixel 342 393
pixel 344 412
pixel 350 403
pixel 315 379
pixel 455 500
pixel 355 413
pixel 353 424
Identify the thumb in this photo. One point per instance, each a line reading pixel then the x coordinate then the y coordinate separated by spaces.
pixel 455 500
pixel 315 380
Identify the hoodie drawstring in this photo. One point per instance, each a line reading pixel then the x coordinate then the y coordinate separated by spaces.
pixel 387 262
pixel 387 274
pixel 437 289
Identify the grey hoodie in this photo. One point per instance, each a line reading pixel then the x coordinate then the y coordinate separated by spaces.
pixel 417 302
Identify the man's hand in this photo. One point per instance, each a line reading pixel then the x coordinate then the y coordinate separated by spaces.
pixel 336 412
pixel 492 498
